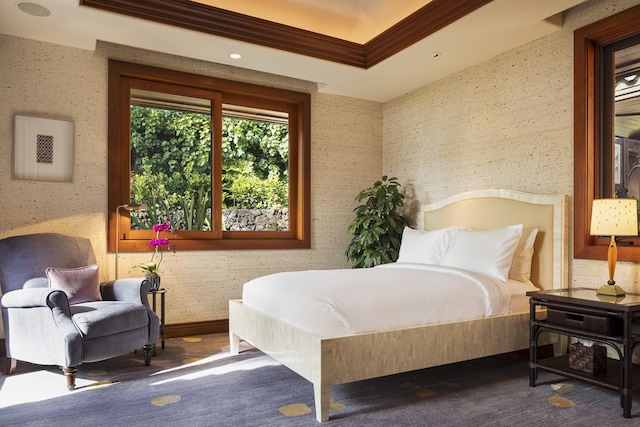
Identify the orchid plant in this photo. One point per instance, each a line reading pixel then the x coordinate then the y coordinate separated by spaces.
pixel 153 267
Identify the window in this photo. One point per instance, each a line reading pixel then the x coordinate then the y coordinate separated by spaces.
pixel 600 154
pixel 226 162
pixel 621 90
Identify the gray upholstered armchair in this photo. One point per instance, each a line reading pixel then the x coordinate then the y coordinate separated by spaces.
pixel 55 311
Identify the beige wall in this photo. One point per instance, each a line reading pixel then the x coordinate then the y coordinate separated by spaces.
pixel 55 81
pixel 505 123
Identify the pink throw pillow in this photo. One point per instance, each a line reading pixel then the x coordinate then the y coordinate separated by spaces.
pixel 80 284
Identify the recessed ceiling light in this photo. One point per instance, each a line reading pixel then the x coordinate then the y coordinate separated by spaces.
pixel 235 56
pixel 33 9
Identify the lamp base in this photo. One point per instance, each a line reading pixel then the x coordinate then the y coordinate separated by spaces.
pixel 611 290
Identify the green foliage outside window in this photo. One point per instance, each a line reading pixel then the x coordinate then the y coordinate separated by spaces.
pixel 255 157
pixel 171 165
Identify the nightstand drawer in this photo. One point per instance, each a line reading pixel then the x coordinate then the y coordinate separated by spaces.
pixel 587 322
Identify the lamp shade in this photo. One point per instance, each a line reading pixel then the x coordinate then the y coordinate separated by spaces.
pixel 614 217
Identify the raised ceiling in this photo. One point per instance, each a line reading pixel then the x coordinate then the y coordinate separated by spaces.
pixel 254 29
pixel 357 21
pixel 368 49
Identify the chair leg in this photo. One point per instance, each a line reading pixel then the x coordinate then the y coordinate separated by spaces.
pixel 70 373
pixel 11 365
pixel 148 349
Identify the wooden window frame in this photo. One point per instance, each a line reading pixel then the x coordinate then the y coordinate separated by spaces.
pixel 588 128
pixel 121 76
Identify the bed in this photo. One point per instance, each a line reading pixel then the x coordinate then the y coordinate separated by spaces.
pixel 329 360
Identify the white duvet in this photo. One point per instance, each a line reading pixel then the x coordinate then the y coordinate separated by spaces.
pixel 332 303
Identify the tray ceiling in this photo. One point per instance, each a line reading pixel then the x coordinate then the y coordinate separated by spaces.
pixel 378 55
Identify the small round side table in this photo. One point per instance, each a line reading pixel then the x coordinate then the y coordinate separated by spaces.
pixel 162 292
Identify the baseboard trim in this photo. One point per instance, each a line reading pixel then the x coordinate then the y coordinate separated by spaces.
pixel 197 328
pixel 177 330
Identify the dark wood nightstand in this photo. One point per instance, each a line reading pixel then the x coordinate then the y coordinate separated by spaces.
pixel 581 313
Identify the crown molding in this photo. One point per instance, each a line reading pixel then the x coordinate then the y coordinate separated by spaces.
pixel 220 22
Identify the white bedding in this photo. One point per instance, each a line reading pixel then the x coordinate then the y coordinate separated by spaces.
pixel 332 303
pixel 519 299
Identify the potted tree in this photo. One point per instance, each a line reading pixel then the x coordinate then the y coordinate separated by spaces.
pixel 378 226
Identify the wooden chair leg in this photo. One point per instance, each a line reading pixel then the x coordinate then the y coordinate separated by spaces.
pixel 148 349
pixel 11 365
pixel 70 373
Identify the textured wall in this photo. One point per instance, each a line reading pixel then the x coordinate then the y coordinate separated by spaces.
pixel 504 123
pixel 56 81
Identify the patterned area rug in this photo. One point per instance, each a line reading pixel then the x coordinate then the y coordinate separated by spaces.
pixel 195 382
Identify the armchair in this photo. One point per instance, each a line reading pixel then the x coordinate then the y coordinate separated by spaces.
pixel 50 314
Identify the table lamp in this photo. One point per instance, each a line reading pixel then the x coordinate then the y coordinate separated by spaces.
pixel 129 207
pixel 614 217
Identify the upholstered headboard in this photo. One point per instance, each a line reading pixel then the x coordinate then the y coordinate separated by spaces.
pixel 494 208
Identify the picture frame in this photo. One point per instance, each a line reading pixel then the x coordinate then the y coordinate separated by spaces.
pixel 43 149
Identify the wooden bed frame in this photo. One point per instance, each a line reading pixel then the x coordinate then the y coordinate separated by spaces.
pixel 328 361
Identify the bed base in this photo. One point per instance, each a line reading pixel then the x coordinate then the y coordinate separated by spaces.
pixel 326 362
pixel 331 361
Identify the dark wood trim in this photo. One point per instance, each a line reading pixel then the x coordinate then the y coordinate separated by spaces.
pixel 587 43
pixel 197 328
pixel 122 76
pixel 176 330
pixel 224 23
pixel 220 22
pixel 417 26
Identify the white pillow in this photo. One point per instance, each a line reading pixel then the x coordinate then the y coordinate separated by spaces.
pixel 424 247
pixel 521 265
pixel 488 252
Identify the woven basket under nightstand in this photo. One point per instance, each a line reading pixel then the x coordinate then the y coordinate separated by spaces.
pixel 592 360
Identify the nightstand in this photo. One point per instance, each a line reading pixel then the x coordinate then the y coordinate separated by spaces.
pixel 581 313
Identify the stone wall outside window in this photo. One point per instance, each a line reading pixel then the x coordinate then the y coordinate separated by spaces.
pixel 255 219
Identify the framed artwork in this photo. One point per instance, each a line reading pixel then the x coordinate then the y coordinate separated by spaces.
pixel 43 149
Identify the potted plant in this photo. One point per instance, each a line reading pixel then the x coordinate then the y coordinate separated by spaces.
pixel 378 226
pixel 152 268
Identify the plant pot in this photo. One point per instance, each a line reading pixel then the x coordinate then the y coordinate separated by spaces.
pixel 154 279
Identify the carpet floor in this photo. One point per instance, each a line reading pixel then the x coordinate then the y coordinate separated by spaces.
pixel 195 382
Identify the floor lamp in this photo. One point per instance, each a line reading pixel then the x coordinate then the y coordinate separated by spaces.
pixel 129 207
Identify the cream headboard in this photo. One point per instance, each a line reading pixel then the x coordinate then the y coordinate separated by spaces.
pixel 491 208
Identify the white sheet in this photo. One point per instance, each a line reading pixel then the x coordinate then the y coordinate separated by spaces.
pixel 332 303
pixel 518 291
